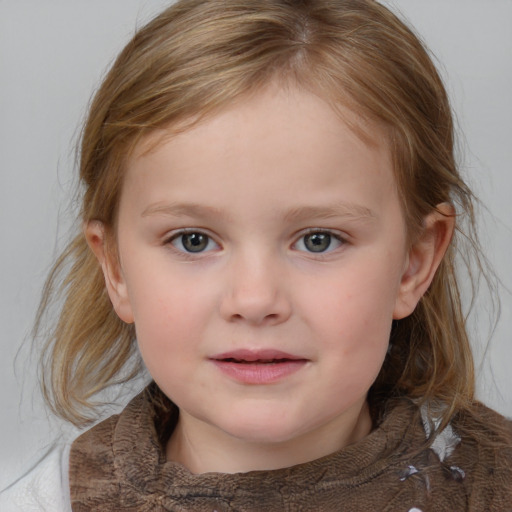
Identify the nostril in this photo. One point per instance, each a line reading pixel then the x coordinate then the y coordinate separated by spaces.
pixel 255 305
pixel 270 319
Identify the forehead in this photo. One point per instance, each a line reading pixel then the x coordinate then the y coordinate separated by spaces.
pixel 282 138
pixel 278 99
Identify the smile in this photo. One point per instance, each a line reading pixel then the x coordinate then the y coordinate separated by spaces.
pixel 258 367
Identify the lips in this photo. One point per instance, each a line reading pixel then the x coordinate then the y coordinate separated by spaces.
pixel 258 366
pixel 249 356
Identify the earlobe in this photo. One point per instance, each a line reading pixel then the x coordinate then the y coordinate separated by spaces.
pixel 424 257
pixel 114 281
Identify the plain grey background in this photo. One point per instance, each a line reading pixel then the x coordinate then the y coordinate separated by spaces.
pixel 52 56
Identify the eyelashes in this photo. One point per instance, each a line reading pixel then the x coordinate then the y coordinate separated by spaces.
pixel 192 242
pixel 318 242
pixel 196 242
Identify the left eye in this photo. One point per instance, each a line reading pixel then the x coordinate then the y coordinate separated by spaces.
pixel 193 242
pixel 318 242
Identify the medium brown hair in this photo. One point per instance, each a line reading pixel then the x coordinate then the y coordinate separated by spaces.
pixel 197 57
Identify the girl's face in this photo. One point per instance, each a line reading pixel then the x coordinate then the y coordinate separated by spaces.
pixel 263 257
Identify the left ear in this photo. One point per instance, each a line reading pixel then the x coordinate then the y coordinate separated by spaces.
pixel 424 257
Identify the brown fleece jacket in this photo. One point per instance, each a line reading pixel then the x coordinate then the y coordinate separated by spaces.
pixel 120 465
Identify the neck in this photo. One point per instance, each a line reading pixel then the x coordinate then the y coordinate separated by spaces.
pixel 203 448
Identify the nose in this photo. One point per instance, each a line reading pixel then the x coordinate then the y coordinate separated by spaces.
pixel 256 292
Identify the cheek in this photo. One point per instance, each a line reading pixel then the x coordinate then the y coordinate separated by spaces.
pixel 352 318
pixel 354 301
pixel 168 316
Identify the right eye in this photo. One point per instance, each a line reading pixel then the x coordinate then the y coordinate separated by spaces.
pixel 193 242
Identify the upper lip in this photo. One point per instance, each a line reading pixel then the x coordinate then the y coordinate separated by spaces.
pixel 256 355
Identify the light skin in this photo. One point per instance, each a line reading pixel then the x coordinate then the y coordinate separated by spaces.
pixel 269 227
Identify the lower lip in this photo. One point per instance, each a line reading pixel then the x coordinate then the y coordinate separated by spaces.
pixel 260 373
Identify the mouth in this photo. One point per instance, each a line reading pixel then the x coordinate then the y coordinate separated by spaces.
pixel 258 367
pixel 257 361
pixel 266 356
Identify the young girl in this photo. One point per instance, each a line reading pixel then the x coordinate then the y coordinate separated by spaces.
pixel 271 213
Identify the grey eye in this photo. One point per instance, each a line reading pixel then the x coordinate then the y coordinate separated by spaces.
pixel 193 242
pixel 317 242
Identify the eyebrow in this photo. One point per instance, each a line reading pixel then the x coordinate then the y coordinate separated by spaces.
pixel 183 210
pixel 346 210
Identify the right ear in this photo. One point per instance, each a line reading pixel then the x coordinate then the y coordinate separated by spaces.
pixel 114 280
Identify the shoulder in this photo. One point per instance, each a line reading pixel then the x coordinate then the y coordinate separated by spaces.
pixel 44 488
pixel 467 465
pixel 93 450
pixel 485 457
pixel 485 433
pixel 92 470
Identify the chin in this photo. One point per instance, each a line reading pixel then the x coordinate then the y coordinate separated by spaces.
pixel 260 431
